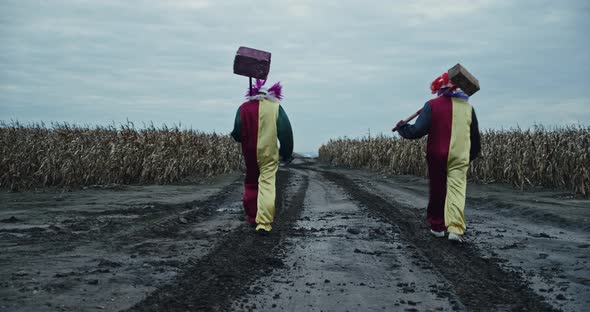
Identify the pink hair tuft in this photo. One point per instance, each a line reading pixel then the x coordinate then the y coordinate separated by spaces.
pixel 276 90
pixel 255 88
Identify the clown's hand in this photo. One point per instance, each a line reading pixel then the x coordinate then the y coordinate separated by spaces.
pixel 400 124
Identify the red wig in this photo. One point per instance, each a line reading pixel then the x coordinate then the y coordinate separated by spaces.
pixel 441 81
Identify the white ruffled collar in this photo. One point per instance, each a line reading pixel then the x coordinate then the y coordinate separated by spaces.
pixel 261 97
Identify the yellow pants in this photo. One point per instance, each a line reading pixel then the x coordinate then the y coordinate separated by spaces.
pixel 266 195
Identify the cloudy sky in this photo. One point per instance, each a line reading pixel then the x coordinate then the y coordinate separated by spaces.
pixel 348 67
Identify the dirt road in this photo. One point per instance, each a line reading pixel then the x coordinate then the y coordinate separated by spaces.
pixel 344 240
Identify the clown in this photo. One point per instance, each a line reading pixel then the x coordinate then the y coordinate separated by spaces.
pixel 258 124
pixel 453 141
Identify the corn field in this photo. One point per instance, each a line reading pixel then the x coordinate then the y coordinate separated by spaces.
pixel 555 158
pixel 66 155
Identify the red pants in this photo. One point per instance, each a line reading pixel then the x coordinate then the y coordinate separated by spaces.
pixel 250 198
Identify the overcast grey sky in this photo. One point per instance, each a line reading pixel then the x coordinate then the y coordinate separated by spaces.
pixel 346 66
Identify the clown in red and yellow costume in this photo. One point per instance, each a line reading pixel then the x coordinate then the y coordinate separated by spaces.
pixel 258 124
pixel 450 122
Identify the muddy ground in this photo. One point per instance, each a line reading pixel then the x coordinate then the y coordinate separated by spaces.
pixel 343 240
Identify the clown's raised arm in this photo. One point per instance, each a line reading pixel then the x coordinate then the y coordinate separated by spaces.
pixel 419 128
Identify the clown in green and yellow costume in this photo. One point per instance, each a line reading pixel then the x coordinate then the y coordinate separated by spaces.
pixel 259 123
pixel 450 122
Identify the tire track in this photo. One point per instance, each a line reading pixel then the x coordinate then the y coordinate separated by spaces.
pixel 480 283
pixel 172 218
pixel 214 281
pixel 342 259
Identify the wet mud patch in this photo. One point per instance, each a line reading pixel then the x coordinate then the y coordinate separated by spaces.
pixel 224 274
pixel 480 283
pixel 59 259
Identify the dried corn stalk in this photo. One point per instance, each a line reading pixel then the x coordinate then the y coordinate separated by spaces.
pixel 556 158
pixel 64 155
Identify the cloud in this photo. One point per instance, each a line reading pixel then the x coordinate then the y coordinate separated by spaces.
pixel 187 4
pixel 530 112
pixel 298 8
pixel 346 65
pixel 218 104
pixel 9 88
pixel 434 11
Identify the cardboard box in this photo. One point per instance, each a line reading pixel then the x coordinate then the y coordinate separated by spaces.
pixel 463 79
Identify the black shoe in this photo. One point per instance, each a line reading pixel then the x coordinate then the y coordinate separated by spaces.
pixel 262 232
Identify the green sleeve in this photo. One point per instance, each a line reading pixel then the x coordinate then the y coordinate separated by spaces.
pixel 236 133
pixel 285 134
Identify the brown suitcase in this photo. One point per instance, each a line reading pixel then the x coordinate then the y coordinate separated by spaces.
pixel 252 63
